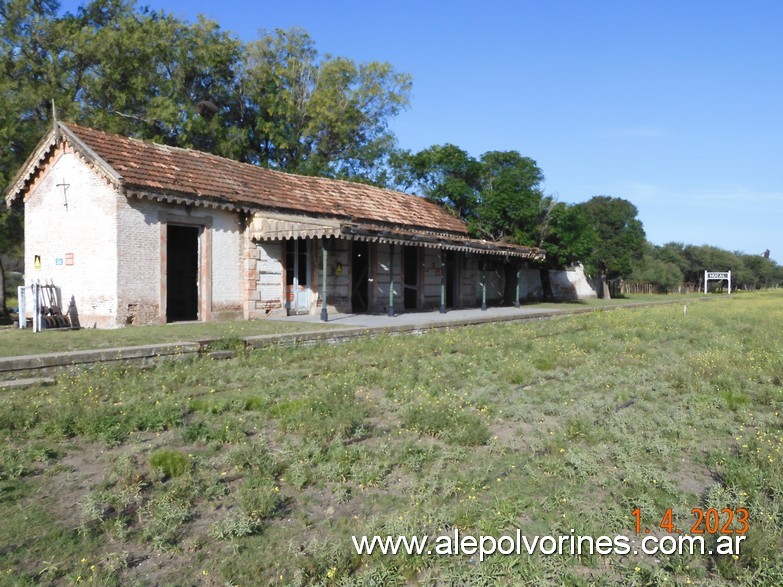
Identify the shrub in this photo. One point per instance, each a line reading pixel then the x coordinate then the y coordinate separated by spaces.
pixel 235 525
pixel 455 424
pixel 171 463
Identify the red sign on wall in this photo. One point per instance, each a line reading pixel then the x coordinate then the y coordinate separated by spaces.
pixel 69 258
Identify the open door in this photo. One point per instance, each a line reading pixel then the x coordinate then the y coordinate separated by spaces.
pixel 182 275
pixel 360 271
pixel 297 276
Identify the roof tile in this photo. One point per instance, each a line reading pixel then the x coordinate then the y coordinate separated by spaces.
pixel 145 165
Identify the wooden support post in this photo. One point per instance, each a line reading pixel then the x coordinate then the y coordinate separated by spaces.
pixel 390 309
pixel 324 254
pixel 37 306
pixel 443 282
pixel 483 285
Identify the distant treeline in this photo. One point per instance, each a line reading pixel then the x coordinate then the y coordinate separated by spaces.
pixel 674 265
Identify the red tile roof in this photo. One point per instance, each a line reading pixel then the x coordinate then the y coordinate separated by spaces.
pixel 146 166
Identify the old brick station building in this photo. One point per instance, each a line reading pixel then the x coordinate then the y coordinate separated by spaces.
pixel 133 232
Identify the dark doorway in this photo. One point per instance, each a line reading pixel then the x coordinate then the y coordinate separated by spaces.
pixel 410 269
pixel 510 283
pixel 360 272
pixel 451 278
pixel 182 273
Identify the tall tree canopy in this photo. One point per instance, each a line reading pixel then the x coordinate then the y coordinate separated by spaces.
pixel 444 174
pixel 319 116
pixel 620 238
pixel 512 205
pixel 499 194
pixel 567 236
pixel 148 74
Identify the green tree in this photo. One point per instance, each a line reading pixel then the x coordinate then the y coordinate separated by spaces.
pixel 675 253
pixel 318 116
pixel 444 174
pixel 512 205
pixel 501 198
pixel 708 258
pixel 29 47
pixel 10 246
pixel 620 238
pixel 499 194
pixel 118 68
pixel 748 271
pixel 655 269
pixel 567 236
pixel 761 272
pixel 149 75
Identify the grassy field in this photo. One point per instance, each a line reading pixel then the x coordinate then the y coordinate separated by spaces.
pixel 259 469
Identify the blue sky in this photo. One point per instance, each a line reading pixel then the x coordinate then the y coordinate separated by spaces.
pixel 674 105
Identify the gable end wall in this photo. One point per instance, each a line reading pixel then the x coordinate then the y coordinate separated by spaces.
pixel 77 245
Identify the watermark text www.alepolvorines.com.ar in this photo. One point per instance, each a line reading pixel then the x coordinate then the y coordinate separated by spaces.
pixel 456 543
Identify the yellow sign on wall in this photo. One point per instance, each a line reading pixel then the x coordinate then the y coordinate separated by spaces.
pixel 38 262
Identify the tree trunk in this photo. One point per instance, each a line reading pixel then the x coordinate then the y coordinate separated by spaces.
pixel 3 309
pixel 605 291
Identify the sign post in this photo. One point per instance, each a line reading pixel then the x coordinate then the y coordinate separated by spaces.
pixel 22 310
pixel 37 306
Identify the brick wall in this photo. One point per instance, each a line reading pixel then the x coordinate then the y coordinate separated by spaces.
pixel 227 253
pixel 263 269
pixel 139 276
pixel 141 238
pixel 265 277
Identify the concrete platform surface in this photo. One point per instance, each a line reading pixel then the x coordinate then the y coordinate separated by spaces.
pixel 426 318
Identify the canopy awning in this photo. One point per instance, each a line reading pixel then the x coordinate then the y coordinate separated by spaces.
pixel 370 233
pixel 269 226
pixel 278 226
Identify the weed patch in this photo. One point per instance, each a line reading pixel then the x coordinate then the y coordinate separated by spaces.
pixel 170 463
